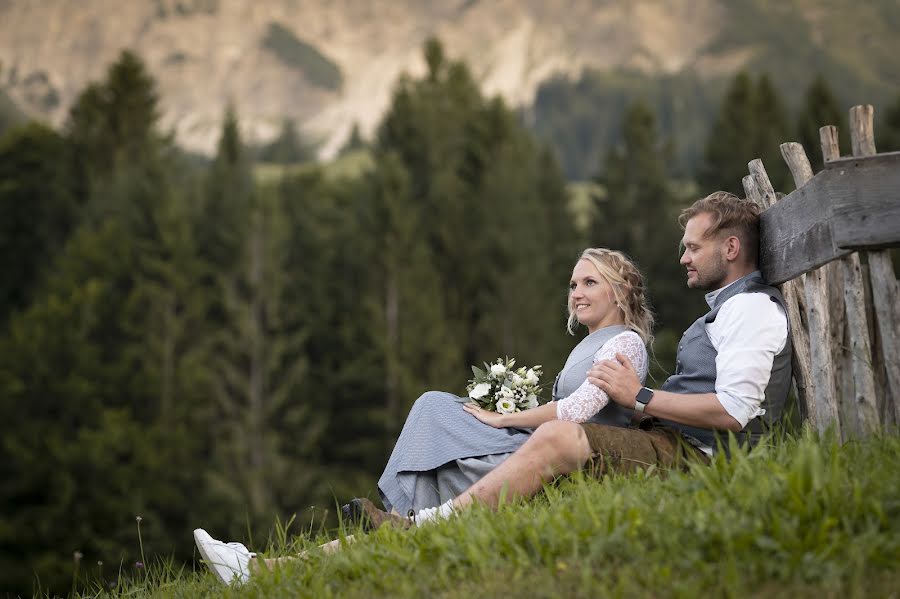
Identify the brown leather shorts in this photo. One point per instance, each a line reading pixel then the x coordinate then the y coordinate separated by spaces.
pixel 616 449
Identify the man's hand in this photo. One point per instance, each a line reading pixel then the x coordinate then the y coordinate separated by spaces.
pixel 618 378
pixel 490 418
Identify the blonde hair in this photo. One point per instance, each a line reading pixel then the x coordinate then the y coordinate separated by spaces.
pixel 627 285
pixel 730 215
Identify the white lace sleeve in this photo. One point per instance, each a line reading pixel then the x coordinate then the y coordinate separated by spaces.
pixel 587 400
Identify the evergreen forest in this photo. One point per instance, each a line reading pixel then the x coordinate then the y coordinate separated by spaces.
pixel 234 343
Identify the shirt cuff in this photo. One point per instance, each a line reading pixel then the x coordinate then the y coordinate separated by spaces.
pixel 741 410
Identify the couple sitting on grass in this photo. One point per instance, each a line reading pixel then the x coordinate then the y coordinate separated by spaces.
pixel 732 375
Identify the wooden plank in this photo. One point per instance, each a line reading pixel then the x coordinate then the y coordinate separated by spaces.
pixel 828 137
pixel 862 133
pixel 763 183
pixel 862 141
pixel 834 276
pixel 886 297
pixel 886 304
pixel 822 402
pixel 752 191
pixel 761 188
pixel 866 207
pixel 860 348
pixel 856 201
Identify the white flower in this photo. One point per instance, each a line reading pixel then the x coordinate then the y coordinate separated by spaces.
pixel 531 377
pixel 506 393
pixel 498 369
pixel 506 406
pixel 517 380
pixel 530 402
pixel 480 390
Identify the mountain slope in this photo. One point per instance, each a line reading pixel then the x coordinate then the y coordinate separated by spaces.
pixel 331 64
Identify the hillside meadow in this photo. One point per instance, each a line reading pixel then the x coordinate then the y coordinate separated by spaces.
pixel 800 518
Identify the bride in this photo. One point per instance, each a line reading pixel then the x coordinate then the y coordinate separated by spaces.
pixel 446 447
pixel 441 451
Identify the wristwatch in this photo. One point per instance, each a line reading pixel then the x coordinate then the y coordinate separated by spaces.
pixel 642 398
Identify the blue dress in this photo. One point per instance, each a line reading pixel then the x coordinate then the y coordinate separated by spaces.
pixel 442 450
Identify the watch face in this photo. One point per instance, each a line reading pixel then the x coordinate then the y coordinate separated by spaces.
pixel 644 395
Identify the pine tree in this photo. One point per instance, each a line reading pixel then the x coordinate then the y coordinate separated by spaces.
pixel 888 133
pixel 772 129
pixel 751 124
pixel 731 142
pixel 113 124
pixel 820 108
pixel 259 366
pixel 38 206
pixel 288 147
pixel 639 215
pixel 354 142
pixel 228 193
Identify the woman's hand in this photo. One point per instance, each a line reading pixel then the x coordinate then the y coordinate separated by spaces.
pixel 490 418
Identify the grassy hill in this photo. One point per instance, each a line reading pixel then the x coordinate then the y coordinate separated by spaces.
pixel 803 519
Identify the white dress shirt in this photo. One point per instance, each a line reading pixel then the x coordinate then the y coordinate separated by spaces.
pixel 749 330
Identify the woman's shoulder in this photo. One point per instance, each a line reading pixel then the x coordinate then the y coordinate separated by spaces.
pixel 625 340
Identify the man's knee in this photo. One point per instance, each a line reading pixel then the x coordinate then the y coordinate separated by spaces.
pixel 561 442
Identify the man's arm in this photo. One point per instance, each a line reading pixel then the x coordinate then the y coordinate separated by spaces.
pixel 620 381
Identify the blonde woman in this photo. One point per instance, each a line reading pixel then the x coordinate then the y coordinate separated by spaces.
pixel 445 447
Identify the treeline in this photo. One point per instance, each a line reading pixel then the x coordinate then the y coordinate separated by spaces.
pixel 581 118
pixel 184 344
pixel 198 346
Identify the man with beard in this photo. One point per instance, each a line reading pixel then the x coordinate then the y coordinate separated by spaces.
pixel 732 376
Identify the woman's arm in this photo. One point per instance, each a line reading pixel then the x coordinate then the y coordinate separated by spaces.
pixel 532 418
pixel 581 405
pixel 589 399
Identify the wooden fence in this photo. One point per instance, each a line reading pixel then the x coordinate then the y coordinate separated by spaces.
pixel 825 246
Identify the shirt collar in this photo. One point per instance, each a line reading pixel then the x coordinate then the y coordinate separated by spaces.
pixel 712 295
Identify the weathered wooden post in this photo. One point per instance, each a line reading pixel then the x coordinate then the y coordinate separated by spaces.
pixel 759 189
pixel 843 372
pixel 823 405
pixel 881 273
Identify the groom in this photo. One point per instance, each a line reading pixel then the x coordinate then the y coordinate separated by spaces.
pixel 732 375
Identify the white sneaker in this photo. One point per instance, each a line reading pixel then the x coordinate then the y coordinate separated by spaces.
pixel 229 561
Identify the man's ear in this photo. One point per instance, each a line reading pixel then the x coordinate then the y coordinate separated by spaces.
pixel 732 248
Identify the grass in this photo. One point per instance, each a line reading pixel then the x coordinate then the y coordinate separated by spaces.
pixel 805 518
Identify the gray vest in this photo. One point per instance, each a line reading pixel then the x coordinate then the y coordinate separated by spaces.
pixel 574 373
pixel 695 367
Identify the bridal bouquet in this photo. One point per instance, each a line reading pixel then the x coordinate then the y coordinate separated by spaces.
pixel 501 388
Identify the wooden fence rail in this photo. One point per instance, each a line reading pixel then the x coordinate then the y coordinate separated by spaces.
pixel 843 303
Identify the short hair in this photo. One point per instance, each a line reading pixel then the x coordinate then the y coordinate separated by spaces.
pixel 627 284
pixel 730 215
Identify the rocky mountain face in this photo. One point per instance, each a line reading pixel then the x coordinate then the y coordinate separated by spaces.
pixel 328 64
